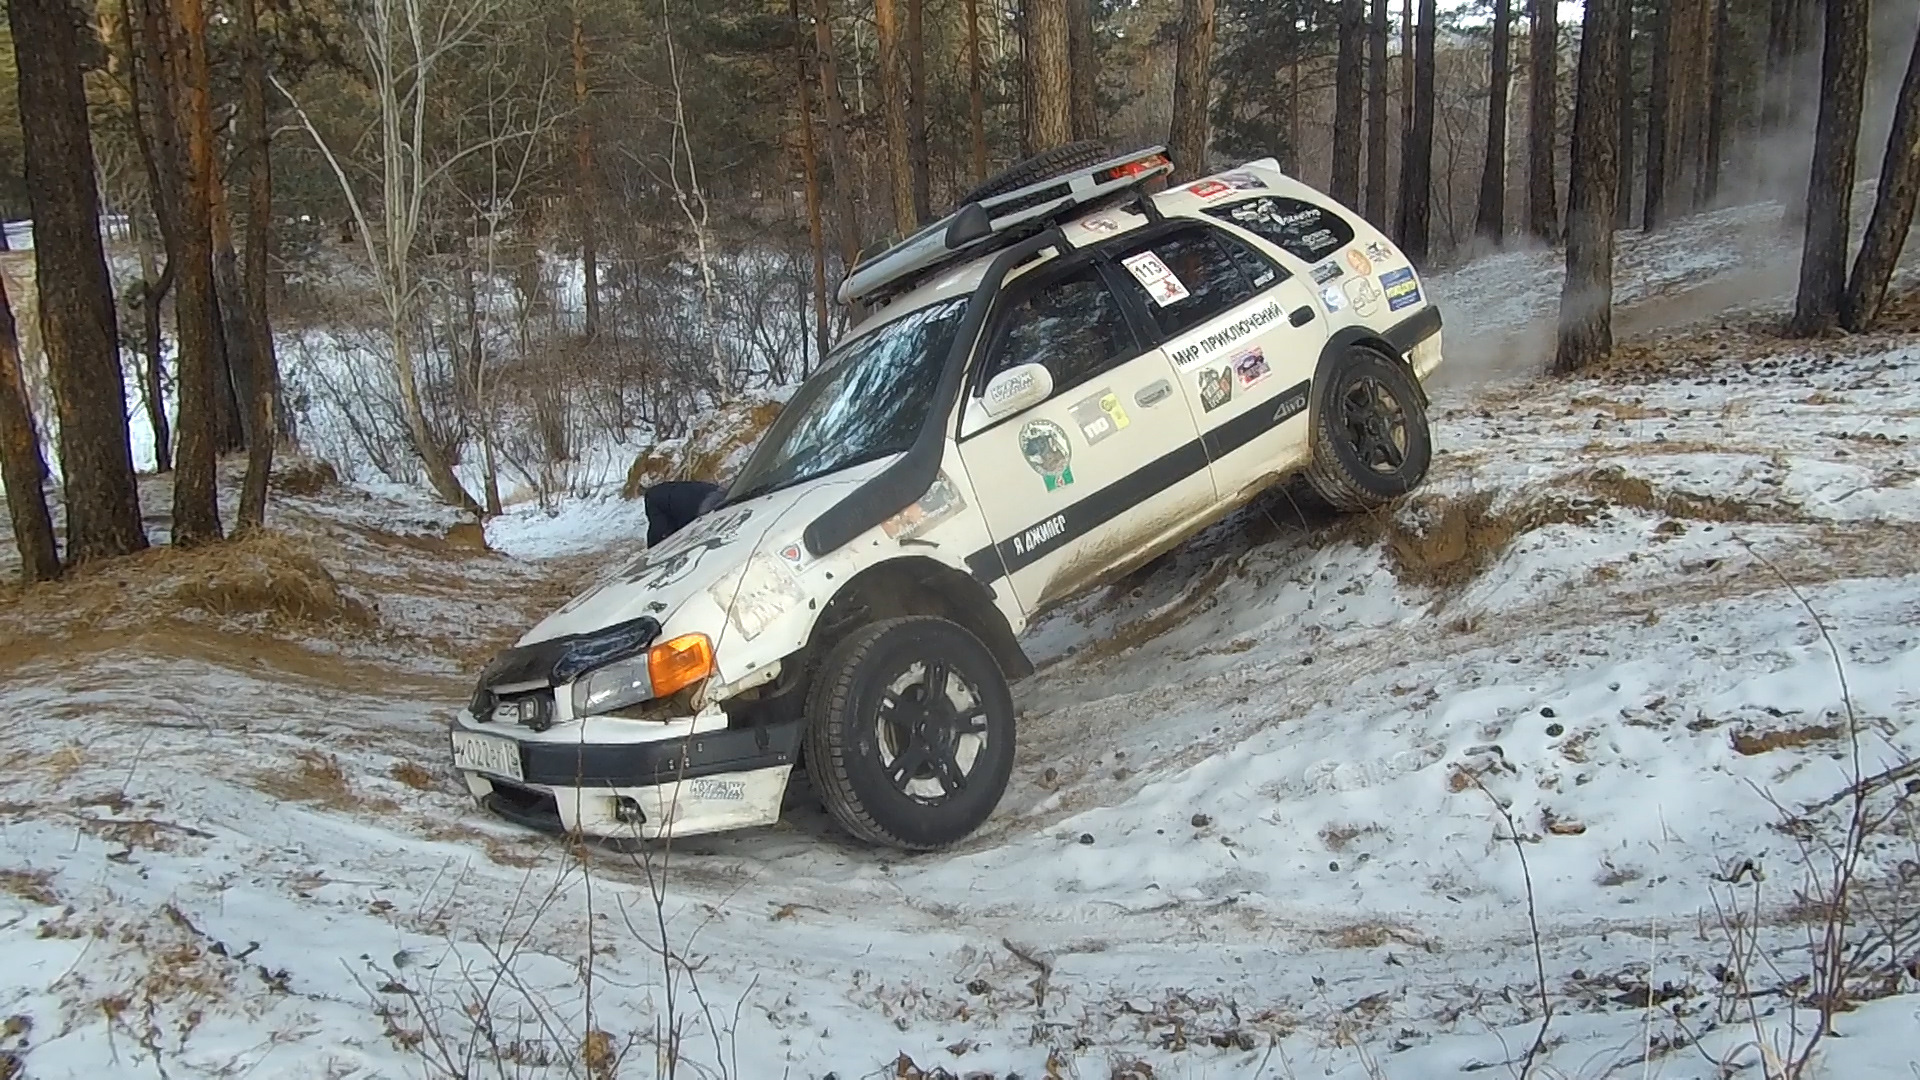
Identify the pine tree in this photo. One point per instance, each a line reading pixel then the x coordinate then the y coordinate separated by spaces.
pixel 1051 74
pixel 916 56
pixel 77 328
pixel 1823 256
pixel 1543 213
pixel 1586 296
pixel 893 105
pixel 265 383
pixel 1416 169
pixel 1659 110
pixel 1192 68
pixel 839 159
pixel 1348 102
pixel 1377 114
pixel 196 509
pixel 1492 220
pixel 976 95
pixel 23 469
pixel 1893 208
pixel 1623 191
pixel 1084 65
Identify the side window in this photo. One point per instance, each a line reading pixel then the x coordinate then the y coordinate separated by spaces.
pixel 1186 278
pixel 1072 324
pixel 1301 229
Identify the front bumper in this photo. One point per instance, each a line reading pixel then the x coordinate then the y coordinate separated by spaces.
pixel 680 782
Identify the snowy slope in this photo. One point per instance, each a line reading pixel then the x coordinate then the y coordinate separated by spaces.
pixel 1262 822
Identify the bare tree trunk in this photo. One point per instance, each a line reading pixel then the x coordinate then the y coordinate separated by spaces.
pixel 1377 115
pixel 1085 68
pixel 1586 297
pixel 1716 109
pixel 810 165
pixel 1052 74
pixel 1416 170
pixel 235 374
pixel 1659 109
pixel 583 183
pixel 838 159
pixel 1543 212
pixel 77 328
pixel 1349 105
pixel 1623 190
pixel 917 110
pixel 196 508
pixel 893 106
pixel 1823 258
pixel 1029 124
pixel 154 285
pixel 266 372
pixel 1893 207
pixel 23 469
pixel 1492 224
pixel 1192 80
pixel 976 97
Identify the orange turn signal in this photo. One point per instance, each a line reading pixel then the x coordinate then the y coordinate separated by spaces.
pixel 675 665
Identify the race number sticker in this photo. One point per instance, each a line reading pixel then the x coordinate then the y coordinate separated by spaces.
pixel 1153 275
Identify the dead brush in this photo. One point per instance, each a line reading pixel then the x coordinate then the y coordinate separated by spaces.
pixel 260 576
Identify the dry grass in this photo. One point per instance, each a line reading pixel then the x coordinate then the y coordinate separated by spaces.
pixel 414 776
pixel 305 477
pixel 316 777
pixel 1752 743
pixel 33 886
pixel 1619 488
pixel 704 459
pixel 263 575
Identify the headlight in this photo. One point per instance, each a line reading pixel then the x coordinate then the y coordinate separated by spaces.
pixel 667 668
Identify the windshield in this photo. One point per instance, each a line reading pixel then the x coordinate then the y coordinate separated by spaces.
pixel 869 402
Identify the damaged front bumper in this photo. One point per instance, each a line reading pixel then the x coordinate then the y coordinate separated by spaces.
pixel 615 778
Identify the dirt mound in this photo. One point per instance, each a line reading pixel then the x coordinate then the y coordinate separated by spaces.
pixel 1620 488
pixel 1443 544
pixel 706 454
pixel 260 577
pixel 305 476
pixel 268 575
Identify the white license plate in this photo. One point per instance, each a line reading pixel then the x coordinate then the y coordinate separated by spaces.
pixel 484 753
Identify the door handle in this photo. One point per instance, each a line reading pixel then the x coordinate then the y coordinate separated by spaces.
pixel 1153 394
pixel 1301 316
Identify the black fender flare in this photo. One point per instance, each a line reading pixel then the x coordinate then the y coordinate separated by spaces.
pixel 1397 341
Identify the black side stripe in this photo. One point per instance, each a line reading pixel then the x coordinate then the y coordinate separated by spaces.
pixel 1037 541
pixel 1044 537
pixel 1256 421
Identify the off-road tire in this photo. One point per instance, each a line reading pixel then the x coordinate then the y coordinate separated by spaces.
pixel 1059 161
pixel 1337 473
pixel 843 749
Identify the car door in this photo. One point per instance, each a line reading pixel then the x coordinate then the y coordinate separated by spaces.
pixel 1104 467
pixel 1243 335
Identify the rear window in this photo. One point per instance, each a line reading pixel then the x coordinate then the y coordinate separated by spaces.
pixel 1300 228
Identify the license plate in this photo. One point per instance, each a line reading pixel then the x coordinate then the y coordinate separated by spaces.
pixel 484 753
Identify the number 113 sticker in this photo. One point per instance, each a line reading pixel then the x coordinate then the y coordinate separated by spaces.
pixel 1153 275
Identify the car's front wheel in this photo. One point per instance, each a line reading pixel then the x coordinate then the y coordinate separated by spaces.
pixel 910 733
pixel 1371 443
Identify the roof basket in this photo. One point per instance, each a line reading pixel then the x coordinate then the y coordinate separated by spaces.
pixel 981 226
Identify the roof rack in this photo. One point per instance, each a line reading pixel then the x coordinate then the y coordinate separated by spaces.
pixel 987 224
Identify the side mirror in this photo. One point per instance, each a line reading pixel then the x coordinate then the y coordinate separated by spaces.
pixel 1017 389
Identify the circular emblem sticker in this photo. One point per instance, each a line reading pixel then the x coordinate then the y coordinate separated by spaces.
pixel 1044 444
pixel 1359 262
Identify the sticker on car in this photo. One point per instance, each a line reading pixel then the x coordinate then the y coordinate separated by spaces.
pixel 1364 297
pixel 1250 368
pixel 1216 387
pixel 1402 291
pixel 1153 276
pixel 1099 416
pixel 1044 444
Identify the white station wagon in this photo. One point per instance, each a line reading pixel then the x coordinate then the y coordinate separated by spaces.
pixel 1062 380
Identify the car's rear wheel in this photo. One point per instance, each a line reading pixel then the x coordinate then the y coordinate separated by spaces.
pixel 910 733
pixel 1059 161
pixel 1371 443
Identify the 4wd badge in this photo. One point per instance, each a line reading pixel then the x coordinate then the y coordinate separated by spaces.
pixel 1044 444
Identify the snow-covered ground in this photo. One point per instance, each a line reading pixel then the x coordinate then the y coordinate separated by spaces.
pixel 1269 816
